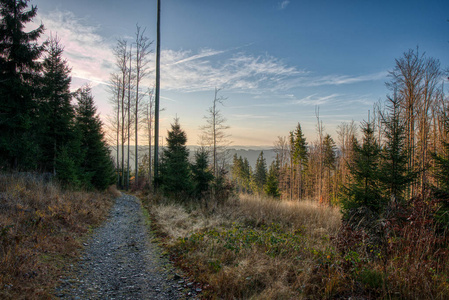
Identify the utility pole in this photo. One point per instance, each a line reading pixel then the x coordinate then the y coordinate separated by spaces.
pixel 156 108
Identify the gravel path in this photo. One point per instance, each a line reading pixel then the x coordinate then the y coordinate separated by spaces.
pixel 120 262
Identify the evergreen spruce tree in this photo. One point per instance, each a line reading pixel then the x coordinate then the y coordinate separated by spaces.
pixel 67 169
pixel 260 173
pixel 362 200
pixel 329 160
pixel 201 174
pixel 96 165
pixel 241 173
pixel 56 113
pixel 442 172
pixel 329 148
pixel 236 170
pixel 271 187
pixel 19 67
pixel 298 146
pixel 247 174
pixel 441 189
pixel 174 170
pixel 394 174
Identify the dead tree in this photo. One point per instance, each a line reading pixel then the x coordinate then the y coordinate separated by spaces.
pixel 214 132
pixel 141 69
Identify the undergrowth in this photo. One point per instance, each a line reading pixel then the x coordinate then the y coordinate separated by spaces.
pixel 254 248
pixel 41 226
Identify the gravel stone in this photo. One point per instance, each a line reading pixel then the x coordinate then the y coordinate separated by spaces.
pixel 120 261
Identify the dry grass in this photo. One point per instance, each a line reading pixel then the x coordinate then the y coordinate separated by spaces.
pixel 41 227
pixel 316 220
pixel 252 248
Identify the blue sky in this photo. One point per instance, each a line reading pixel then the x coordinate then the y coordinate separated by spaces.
pixel 276 61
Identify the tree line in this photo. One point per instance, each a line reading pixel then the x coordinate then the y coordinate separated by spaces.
pixel 44 126
pixel 390 178
pixel 413 116
pixel 184 181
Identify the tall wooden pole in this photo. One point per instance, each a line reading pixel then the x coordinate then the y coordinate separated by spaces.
pixel 129 111
pixel 156 108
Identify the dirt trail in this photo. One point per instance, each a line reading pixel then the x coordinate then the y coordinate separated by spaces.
pixel 120 262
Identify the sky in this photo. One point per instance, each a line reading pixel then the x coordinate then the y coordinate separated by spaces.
pixel 276 62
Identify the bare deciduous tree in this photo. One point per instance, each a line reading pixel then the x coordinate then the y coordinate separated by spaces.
pixel 214 132
pixel 118 87
pixel 141 70
pixel 416 78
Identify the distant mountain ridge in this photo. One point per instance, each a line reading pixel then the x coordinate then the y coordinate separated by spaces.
pixel 249 152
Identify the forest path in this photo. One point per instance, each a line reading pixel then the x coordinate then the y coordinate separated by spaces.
pixel 120 261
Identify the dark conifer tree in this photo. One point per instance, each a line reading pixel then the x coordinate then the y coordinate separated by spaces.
pixel 241 173
pixel 96 165
pixel 201 174
pixel 329 160
pixel 299 146
pixel 236 169
pixel 174 173
pixel 56 113
pixel 247 174
pixel 299 156
pixel 19 67
pixel 260 173
pixel 363 199
pixel 394 174
pixel 66 166
pixel 441 189
pixel 271 187
pixel 329 148
pixel 442 172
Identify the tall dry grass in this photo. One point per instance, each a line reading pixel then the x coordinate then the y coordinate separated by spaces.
pixel 41 226
pixel 251 247
pixel 314 218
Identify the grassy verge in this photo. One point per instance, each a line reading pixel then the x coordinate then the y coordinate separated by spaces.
pixel 41 228
pixel 252 248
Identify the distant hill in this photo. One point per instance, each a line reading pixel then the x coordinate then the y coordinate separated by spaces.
pixel 243 151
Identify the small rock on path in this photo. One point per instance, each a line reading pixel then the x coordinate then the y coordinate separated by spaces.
pixel 120 262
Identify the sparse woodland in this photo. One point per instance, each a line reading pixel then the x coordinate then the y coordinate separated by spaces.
pixel 364 213
pixel 388 178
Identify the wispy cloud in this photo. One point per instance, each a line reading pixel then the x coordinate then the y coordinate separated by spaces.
pixel 344 79
pixel 314 99
pixel 91 59
pixel 282 5
pixel 315 81
pixel 203 53
pixel 180 70
pixel 88 54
